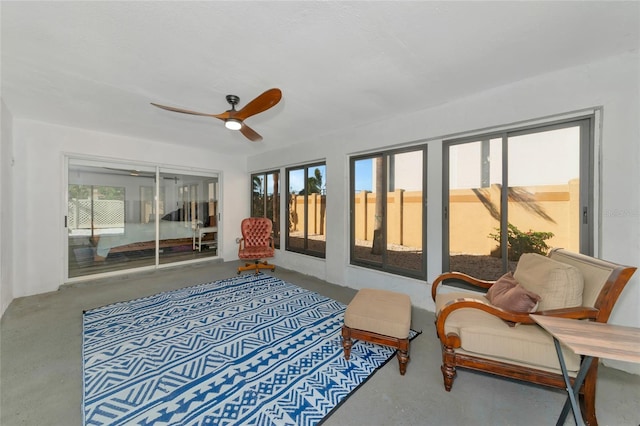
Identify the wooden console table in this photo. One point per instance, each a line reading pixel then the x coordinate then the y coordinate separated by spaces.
pixel 589 339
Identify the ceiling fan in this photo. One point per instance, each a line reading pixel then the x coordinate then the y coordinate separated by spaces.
pixel 233 119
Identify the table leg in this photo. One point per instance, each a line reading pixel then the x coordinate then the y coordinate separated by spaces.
pixel 572 391
pixel 196 230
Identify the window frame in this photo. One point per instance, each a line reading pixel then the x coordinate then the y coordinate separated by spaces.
pixel 305 250
pixel 587 202
pixel 385 265
pixel 276 213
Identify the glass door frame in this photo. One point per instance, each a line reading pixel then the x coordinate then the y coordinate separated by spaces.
pixel 587 192
pixel 157 169
pixel 386 175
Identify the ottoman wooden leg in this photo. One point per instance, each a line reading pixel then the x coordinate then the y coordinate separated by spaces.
pixel 346 341
pixel 403 355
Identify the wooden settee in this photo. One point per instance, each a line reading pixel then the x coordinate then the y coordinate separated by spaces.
pixel 476 335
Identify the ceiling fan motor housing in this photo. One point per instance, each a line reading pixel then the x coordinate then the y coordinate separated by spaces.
pixel 233 100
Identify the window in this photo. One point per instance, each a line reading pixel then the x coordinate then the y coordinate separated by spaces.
pixel 514 192
pixel 306 209
pixel 388 224
pixel 265 199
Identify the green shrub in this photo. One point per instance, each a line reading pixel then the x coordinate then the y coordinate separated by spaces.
pixel 524 242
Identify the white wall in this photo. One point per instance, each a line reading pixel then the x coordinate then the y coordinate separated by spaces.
pixel 612 84
pixel 38 192
pixel 6 212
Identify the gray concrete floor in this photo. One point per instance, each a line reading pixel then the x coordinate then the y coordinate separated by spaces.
pixel 41 368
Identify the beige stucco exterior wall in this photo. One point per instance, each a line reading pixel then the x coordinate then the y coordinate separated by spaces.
pixel 548 208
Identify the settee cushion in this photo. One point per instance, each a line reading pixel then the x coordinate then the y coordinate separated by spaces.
pixel 559 285
pixel 508 294
pixel 485 335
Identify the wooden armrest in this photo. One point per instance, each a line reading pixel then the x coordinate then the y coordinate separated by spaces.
pixel 468 279
pixel 579 312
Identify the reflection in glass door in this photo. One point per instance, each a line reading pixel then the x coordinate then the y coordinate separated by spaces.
pixel 121 216
pixel 189 224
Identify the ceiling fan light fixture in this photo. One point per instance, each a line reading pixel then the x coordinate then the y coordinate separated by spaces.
pixel 232 124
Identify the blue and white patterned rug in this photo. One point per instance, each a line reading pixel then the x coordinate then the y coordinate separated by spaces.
pixel 249 350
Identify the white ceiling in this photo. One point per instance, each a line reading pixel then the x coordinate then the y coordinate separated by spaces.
pixel 97 65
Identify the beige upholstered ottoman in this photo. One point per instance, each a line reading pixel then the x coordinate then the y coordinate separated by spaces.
pixel 379 316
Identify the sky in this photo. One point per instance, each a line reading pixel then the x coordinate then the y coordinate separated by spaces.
pixel 364 175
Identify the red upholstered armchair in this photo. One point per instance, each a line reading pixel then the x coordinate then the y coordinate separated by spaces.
pixel 256 243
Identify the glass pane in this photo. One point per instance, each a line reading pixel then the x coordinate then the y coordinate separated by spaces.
pixel 273 204
pixel 544 179
pixel 148 203
pixel 404 210
pixel 365 204
pixel 257 195
pixel 104 212
pixel 115 212
pixel 297 209
pixel 316 209
pixel 475 182
pixel 306 208
pixel 188 226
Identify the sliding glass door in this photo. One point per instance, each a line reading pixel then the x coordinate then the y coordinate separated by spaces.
pixel 123 216
pixel 518 191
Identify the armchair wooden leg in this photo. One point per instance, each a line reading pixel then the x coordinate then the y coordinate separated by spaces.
pixel 448 367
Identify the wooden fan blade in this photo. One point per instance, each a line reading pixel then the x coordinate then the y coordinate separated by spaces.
pixel 222 116
pixel 250 134
pixel 262 103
